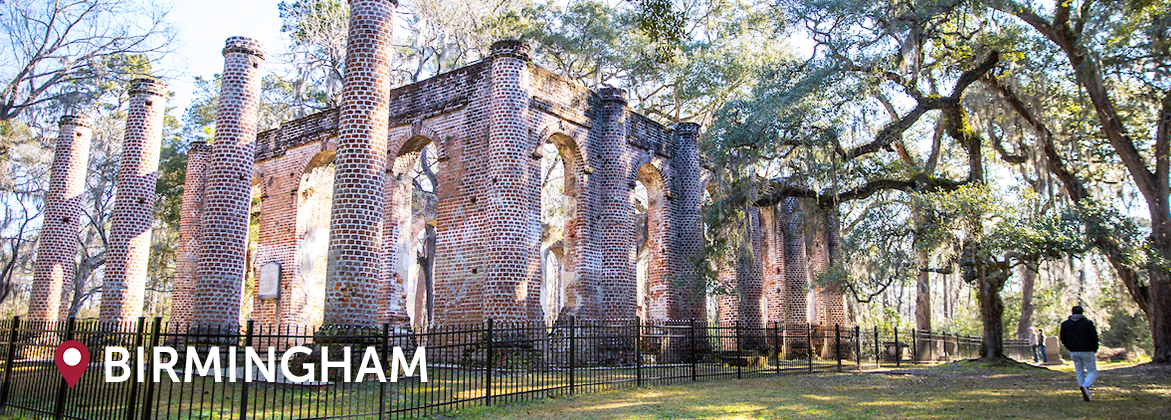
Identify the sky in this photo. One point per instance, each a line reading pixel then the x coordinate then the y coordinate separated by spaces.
pixel 202 28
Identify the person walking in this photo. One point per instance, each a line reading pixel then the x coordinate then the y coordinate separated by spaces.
pixel 1041 345
pixel 1079 335
pixel 1033 344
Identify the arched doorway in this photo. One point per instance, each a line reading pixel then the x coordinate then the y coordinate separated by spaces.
pixel 560 189
pixel 416 182
pixel 314 204
pixel 649 201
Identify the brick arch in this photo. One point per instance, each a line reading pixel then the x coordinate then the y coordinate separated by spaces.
pixel 575 143
pixel 325 157
pixel 416 139
pixel 655 162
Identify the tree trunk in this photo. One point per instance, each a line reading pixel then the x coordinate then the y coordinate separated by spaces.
pixel 992 312
pixel 1159 317
pixel 923 295
pixel 1028 277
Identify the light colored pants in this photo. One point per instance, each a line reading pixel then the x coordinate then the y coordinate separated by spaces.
pixel 1085 363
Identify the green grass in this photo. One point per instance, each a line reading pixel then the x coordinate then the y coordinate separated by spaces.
pixel 963 390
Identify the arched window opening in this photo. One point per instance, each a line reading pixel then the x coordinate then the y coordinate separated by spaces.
pixel 649 201
pixel 416 170
pixel 559 192
pixel 642 259
pixel 552 231
pixel 315 202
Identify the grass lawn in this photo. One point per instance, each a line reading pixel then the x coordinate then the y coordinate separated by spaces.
pixel 962 390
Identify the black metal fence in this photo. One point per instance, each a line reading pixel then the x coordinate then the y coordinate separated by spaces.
pixel 480 364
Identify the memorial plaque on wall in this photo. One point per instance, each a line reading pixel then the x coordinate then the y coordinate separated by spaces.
pixel 269 285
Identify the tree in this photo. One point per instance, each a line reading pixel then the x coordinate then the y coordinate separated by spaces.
pixel 1116 51
pixel 63 52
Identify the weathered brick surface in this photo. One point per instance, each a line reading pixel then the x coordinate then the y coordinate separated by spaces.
pixel 351 293
pixel 57 250
pixel 685 222
pixel 187 255
pixel 224 236
pixel 488 122
pixel 124 283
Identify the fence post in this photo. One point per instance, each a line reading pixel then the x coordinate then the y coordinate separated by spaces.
pixel 694 355
pixel 777 345
pixel 739 368
pixel 638 351
pixel 8 358
pixel 898 349
pixel 877 354
pixel 809 344
pixel 244 385
pixel 382 384
pixel 572 354
pixel 858 346
pixel 838 345
pixel 150 384
pixel 488 369
pixel 62 386
pixel 915 346
pixel 139 333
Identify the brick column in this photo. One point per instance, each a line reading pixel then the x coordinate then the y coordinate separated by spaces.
pixel 796 262
pixel 220 280
pixel 57 250
pixel 124 284
pixel 514 235
pixel 187 257
pixel 351 289
pixel 614 236
pixel 685 243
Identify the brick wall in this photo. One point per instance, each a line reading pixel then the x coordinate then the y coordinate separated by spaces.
pixel 488 122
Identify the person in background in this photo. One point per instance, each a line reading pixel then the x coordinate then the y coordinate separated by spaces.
pixel 1041 345
pixel 1080 336
pixel 1033 343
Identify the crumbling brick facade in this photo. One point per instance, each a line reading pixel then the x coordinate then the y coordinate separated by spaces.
pixel 773 279
pixel 57 250
pixel 339 225
pixel 346 174
pixel 124 284
pixel 488 122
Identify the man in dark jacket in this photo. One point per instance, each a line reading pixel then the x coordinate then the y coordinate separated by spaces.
pixel 1079 335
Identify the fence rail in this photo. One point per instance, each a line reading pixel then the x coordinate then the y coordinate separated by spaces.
pixel 480 364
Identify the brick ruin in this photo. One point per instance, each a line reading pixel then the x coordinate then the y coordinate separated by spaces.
pixel 347 232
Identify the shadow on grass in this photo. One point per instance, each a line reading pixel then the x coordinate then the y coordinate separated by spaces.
pixel 952 391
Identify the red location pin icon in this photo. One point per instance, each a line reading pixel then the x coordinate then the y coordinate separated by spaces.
pixel 72 357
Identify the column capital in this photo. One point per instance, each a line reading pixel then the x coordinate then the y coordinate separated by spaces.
pixel 511 48
pixel 612 94
pixel 148 85
pixel 76 119
pixel 687 129
pixel 244 45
